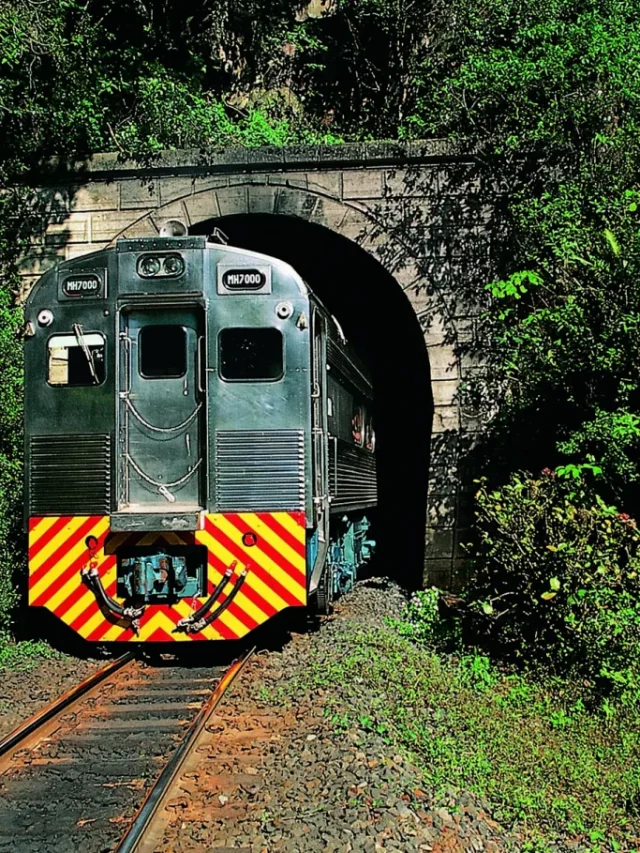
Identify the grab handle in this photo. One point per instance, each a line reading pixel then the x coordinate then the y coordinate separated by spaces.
pixel 199 365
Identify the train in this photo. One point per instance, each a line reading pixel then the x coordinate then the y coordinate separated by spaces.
pixel 199 443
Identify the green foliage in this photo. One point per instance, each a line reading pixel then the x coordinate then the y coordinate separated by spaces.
pixel 558 576
pixel 420 620
pixel 553 771
pixel 13 235
pixel 25 655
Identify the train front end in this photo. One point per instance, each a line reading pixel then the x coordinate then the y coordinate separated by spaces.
pixel 168 441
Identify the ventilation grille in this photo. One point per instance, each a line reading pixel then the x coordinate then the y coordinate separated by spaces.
pixel 70 475
pixel 352 477
pixel 258 470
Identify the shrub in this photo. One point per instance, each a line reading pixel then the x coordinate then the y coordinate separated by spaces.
pixel 557 574
pixel 420 618
pixel 421 622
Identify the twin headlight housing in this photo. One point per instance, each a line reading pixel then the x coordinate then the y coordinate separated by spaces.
pixel 161 266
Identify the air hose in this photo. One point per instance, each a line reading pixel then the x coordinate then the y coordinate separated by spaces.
pixel 211 617
pixel 197 622
pixel 200 612
pixel 132 614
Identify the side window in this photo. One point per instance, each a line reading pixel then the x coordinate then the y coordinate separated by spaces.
pixel 357 425
pixel 251 354
pixel 370 436
pixel 75 361
pixel 162 352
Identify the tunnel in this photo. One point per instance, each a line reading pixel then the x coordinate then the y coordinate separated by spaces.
pixel 379 321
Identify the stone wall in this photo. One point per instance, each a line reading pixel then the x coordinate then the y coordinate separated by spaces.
pixel 424 211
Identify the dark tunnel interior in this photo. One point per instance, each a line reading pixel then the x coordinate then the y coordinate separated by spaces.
pixel 379 321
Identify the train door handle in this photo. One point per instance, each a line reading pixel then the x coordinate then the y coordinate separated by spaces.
pixel 199 365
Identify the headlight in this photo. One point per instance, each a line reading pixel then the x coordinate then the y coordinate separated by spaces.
pixel 173 265
pixel 148 266
pixel 160 266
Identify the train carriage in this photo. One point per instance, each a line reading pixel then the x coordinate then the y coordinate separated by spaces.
pixel 200 444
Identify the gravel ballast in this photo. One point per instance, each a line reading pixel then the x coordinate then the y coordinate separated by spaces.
pixel 25 691
pixel 292 767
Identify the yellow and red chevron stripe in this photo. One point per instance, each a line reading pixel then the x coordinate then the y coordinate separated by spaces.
pixel 275 580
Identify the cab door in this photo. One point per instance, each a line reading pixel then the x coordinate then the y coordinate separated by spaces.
pixel 161 401
pixel 320 454
pixel 319 418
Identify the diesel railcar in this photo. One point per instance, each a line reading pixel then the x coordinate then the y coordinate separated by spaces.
pixel 200 443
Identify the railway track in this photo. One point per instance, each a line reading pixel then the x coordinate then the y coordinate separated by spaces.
pixel 91 771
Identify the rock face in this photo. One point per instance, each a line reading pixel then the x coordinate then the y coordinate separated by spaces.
pixel 281 769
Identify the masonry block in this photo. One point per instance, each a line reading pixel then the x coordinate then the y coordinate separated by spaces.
pixel 439 544
pixel 233 200
pixel 325 183
pixel 444 362
pixel 74 229
pixel 362 183
pixel 202 206
pixel 175 210
pixel 77 250
pixel 444 391
pixel 421 298
pixel 473 364
pixel 358 227
pixel 437 573
pixel 442 480
pixel 445 418
pixel 38 262
pixel 209 182
pixel 329 213
pixel 262 199
pixel 460 574
pixel 410 273
pixel 436 328
pixel 296 180
pixel 460 179
pixel 288 202
pixel 145 227
pixel 95 196
pixel 135 194
pixel 441 511
pixel 411 181
pixel 174 188
pixel 465 331
pixel 106 226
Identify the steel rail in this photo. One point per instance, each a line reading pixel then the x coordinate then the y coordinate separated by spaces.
pixel 40 717
pixel 130 842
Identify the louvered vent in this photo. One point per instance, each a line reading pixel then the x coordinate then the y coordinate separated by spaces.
pixel 70 475
pixel 259 470
pixel 352 477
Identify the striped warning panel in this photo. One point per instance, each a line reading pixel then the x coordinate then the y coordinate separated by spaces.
pixel 270 546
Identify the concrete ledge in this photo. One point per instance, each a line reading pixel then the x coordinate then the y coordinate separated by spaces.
pixel 194 161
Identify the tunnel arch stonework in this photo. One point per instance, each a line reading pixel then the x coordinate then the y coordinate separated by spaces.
pixel 423 212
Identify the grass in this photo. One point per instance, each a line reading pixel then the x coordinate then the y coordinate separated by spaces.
pixel 551 768
pixel 24 655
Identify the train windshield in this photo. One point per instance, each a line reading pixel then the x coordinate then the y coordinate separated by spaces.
pixel 67 362
pixel 163 352
pixel 251 355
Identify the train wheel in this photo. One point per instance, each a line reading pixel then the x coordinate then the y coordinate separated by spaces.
pixel 324 592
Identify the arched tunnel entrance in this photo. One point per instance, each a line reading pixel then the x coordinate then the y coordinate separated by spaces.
pixel 378 319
